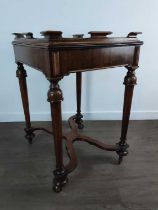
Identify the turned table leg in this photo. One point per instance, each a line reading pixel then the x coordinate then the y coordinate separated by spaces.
pixel 79 116
pixel 21 74
pixel 55 97
pixel 129 82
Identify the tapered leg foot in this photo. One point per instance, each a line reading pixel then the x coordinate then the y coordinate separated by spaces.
pixel 55 97
pixel 21 74
pixel 79 121
pixel 122 151
pixel 129 82
pixel 29 135
pixel 79 116
pixel 60 180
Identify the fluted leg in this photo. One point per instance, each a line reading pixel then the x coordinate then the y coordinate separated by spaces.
pixel 129 82
pixel 55 97
pixel 79 116
pixel 21 74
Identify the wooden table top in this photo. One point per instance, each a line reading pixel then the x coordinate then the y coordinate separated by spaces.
pixel 54 39
pixel 55 55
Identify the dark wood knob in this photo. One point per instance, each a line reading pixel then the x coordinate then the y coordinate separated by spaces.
pixel 95 34
pixel 18 35
pixel 79 36
pixel 52 34
pixel 27 35
pixel 133 34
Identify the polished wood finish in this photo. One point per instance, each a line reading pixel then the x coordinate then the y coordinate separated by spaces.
pixel 78 36
pixel 133 34
pixel 21 74
pixel 55 97
pixel 99 33
pixel 129 82
pixel 52 34
pixel 27 35
pixel 79 116
pixel 73 136
pixel 57 57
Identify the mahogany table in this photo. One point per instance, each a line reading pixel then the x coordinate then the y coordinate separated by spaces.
pixel 57 57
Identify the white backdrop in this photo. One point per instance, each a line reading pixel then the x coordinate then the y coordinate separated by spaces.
pixel 102 96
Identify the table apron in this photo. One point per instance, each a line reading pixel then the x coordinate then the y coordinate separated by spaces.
pixel 63 62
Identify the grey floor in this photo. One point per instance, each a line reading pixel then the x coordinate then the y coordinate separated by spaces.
pixel 98 183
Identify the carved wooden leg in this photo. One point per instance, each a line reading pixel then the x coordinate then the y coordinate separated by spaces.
pixel 79 116
pixel 129 82
pixel 55 97
pixel 21 74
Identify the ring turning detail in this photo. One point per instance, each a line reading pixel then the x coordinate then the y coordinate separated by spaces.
pixel 56 57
